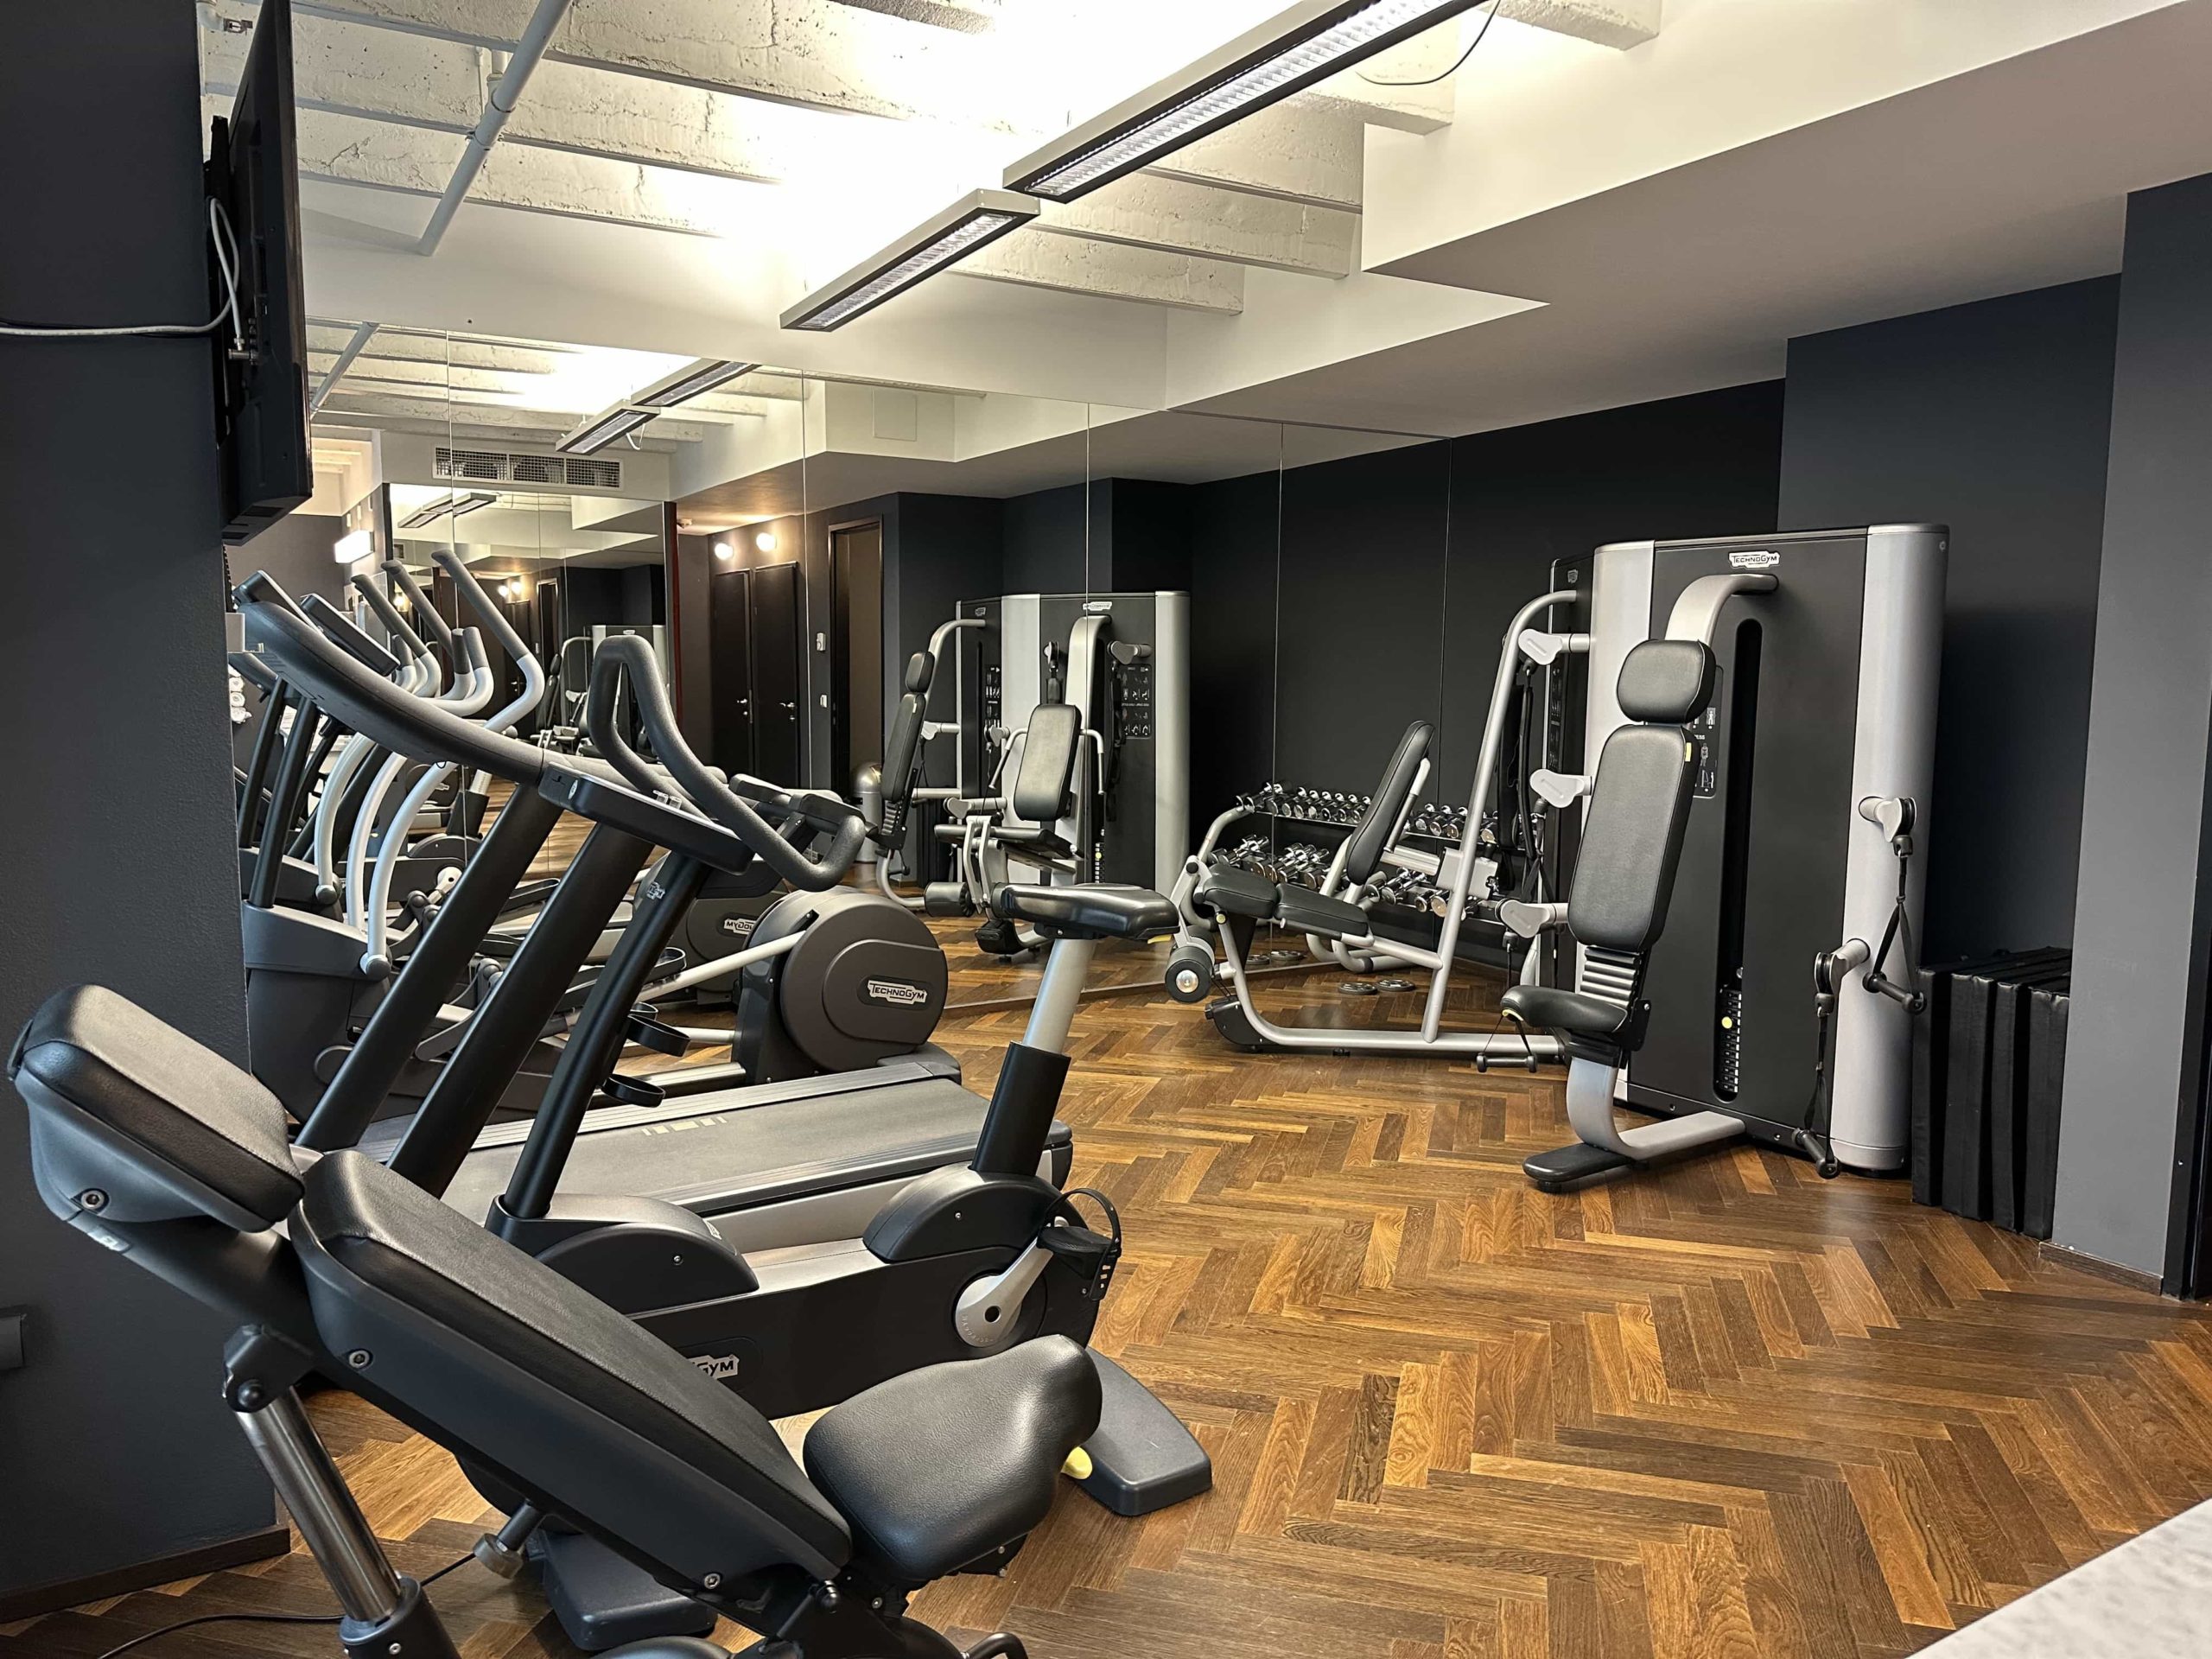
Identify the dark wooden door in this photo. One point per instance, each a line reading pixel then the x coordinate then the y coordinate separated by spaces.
pixel 730 626
pixel 776 681
pixel 856 706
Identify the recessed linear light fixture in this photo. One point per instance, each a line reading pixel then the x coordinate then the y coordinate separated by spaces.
pixel 430 512
pixel 603 429
pixel 977 218
pixel 1290 51
pixel 694 380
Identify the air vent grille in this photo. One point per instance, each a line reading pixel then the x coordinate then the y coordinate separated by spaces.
pixel 584 472
pixel 470 463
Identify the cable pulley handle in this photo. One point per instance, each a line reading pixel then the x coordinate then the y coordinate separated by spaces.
pixel 388 614
pixel 626 660
pixel 401 577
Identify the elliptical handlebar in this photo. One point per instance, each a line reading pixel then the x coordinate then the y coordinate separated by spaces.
pixel 404 637
pixel 398 575
pixel 624 667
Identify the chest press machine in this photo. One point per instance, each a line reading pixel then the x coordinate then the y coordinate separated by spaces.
pixel 1763 759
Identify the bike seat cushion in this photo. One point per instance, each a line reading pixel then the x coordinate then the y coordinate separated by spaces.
pixel 951 1465
pixel 1549 1009
pixel 204 1134
pixel 545 1382
pixel 1226 890
pixel 1088 913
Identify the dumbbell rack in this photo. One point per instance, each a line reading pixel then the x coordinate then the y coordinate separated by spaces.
pixel 1306 862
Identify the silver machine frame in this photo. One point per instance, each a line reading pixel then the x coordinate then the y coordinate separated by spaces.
pixel 1891 775
pixel 1457 866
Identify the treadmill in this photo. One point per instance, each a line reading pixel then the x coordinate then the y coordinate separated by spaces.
pixel 774 1166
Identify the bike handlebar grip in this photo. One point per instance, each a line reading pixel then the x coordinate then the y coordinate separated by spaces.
pixel 339 628
pixel 625 660
pixel 388 613
pixel 424 607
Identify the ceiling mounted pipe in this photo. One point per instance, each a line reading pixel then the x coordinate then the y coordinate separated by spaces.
pixel 505 92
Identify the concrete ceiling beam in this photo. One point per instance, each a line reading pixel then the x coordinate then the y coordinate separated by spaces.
pixel 1080 265
pixel 1299 150
pixel 1178 216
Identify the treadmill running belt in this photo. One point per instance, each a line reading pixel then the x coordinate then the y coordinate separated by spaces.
pixel 746 1155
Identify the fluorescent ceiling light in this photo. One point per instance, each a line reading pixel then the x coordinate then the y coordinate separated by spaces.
pixel 353 546
pixel 689 382
pixel 1306 43
pixel 981 216
pixel 603 429
pixel 430 512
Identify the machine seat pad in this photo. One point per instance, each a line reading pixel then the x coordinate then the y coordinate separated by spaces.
pixel 941 1468
pixel 1226 890
pixel 1549 1009
pixel 1088 913
pixel 382 1232
pixel 149 1083
pixel 1304 911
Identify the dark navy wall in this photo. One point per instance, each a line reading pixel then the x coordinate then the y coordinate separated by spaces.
pixel 1993 418
pixel 117 862
pixel 1385 593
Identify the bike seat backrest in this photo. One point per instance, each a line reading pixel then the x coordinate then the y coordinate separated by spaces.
pixel 1040 788
pixel 1639 806
pixel 131 1120
pixel 408 1302
pixel 1370 836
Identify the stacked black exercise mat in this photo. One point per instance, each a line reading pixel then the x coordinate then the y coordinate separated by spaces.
pixel 1989 1066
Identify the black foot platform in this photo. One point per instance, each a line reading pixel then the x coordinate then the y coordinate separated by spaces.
pixel 1573 1166
pixel 1141 1458
pixel 602 1601
pixel 1231 1021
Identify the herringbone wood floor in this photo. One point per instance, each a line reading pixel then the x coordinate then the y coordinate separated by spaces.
pixel 1725 1410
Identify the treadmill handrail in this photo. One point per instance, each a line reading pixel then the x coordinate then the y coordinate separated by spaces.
pixel 625 666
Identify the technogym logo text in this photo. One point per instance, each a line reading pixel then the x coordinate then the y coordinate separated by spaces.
pixel 899 993
pixel 1755 558
pixel 718 1367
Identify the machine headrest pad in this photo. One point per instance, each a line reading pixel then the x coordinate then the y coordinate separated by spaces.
pixel 1665 681
pixel 920 670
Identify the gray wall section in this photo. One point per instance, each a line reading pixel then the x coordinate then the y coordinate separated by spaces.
pixel 115 861
pixel 2138 960
pixel 1992 418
